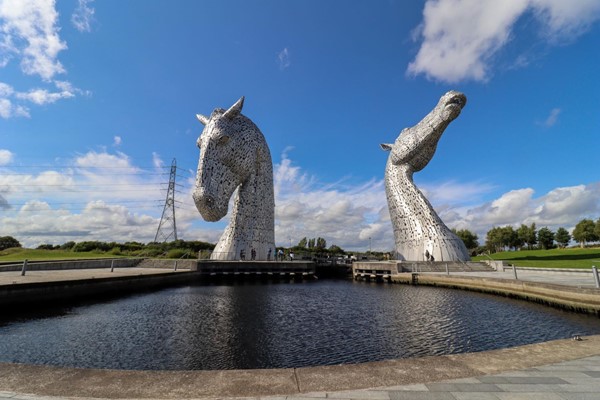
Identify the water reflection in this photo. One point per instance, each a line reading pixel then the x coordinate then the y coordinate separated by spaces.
pixel 256 325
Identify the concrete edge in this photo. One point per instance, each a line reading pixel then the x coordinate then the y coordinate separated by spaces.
pixel 38 380
pixel 584 300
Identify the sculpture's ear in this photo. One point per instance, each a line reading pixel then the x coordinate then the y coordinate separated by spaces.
pixel 235 109
pixel 202 119
pixel 386 146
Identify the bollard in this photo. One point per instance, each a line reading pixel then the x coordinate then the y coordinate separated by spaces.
pixel 515 271
pixel 24 269
pixel 175 266
pixel 112 265
pixel 447 270
pixel 596 277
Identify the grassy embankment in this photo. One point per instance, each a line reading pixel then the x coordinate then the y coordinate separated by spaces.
pixel 555 258
pixel 19 254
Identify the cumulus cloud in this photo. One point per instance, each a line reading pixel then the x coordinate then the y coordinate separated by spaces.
pixel 9 110
pixel 101 196
pixel 105 196
pixel 461 37
pixel 30 34
pixel 34 23
pixel 83 15
pixel 283 59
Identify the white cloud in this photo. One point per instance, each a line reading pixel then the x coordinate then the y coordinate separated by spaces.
pixel 33 23
pixel 566 20
pixel 42 96
pixel 117 141
pixel 9 110
pixel 29 32
pixel 6 157
pixel 283 59
pixel 552 118
pixel 102 196
pixel 6 90
pixel 105 196
pixel 83 15
pixel 157 161
pixel 460 37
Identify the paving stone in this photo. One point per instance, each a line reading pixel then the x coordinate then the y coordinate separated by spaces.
pixel 529 396
pixel 360 394
pixel 475 396
pixel 421 396
pixel 579 396
pixel 462 380
pixel 583 388
pixel 419 387
pixel 534 388
pixel 462 387
pixel 299 397
pixel 523 380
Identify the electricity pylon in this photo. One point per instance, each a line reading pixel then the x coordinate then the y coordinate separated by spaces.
pixel 167 228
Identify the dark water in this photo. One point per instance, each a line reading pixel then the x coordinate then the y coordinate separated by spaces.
pixel 280 325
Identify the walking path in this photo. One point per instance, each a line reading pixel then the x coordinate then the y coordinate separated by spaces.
pixel 577 279
pixel 558 370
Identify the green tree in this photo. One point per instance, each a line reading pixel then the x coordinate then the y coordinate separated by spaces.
pixel 311 243
pixel 510 238
pixel 335 249
pixel 493 239
pixel 597 229
pixel 562 237
pixel 302 243
pixel 321 243
pixel 468 238
pixel 527 235
pixel 6 242
pixel 585 232
pixel 67 246
pixel 546 238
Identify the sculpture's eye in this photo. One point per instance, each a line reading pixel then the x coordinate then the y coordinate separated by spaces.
pixel 223 140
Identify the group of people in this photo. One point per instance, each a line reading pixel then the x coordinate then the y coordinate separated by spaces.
pixel 429 257
pixel 280 255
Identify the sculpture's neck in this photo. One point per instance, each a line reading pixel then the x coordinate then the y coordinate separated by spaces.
pixel 408 200
pixel 254 199
pixel 252 220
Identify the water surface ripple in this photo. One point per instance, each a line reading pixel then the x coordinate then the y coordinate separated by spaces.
pixel 260 325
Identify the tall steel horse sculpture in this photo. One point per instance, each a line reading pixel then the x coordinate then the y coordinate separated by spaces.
pixel 419 232
pixel 234 155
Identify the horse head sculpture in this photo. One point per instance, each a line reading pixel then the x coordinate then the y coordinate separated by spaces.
pixel 234 155
pixel 419 232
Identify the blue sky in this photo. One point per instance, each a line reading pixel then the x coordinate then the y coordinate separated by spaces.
pixel 97 98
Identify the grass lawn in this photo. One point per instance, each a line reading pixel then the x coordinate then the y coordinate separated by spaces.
pixel 555 258
pixel 18 254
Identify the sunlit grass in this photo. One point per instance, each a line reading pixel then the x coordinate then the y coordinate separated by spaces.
pixel 555 258
pixel 20 254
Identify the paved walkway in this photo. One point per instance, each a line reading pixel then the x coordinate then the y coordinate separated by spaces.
pixel 569 380
pixel 14 277
pixel 577 279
